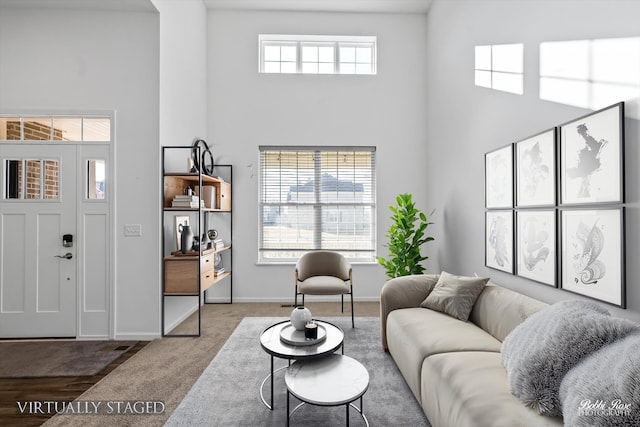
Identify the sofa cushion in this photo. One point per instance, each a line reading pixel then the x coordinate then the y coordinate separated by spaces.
pixel 499 310
pixel 455 295
pixel 593 396
pixel 539 352
pixel 470 389
pixel 416 333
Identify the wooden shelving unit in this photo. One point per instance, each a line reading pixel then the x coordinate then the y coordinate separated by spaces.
pixel 192 273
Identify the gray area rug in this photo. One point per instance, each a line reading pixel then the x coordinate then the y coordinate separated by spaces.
pixel 24 359
pixel 227 392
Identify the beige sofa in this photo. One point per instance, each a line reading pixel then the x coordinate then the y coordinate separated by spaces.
pixel 454 368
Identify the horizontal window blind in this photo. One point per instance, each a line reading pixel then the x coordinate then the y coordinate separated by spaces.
pixel 317 198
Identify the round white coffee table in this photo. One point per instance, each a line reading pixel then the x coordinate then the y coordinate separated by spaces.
pixel 272 343
pixel 334 380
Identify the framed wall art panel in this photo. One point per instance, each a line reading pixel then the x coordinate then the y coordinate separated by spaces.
pixel 535 175
pixel 591 158
pixel 499 178
pixel 536 245
pixel 499 240
pixel 592 253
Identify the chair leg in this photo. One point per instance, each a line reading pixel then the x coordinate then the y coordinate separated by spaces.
pixel 353 325
pixel 295 299
pixel 342 303
pixel 302 299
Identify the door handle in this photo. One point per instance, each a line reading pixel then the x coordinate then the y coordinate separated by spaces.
pixel 68 255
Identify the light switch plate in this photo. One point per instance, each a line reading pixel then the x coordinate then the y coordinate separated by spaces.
pixel 133 230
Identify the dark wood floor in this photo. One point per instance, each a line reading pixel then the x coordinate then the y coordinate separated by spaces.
pixel 61 389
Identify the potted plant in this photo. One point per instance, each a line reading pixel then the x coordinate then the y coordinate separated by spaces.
pixel 406 236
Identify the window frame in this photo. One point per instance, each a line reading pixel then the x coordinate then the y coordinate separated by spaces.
pixel 321 207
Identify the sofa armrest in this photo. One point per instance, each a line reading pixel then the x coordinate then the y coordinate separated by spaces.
pixel 403 292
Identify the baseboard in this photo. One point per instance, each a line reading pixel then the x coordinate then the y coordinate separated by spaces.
pixel 308 298
pixel 137 336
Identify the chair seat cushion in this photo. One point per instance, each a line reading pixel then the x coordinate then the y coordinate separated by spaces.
pixel 323 285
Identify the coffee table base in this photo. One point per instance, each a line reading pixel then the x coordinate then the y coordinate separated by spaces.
pixel 350 404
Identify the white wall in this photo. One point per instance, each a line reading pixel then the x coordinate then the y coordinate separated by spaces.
pixel 183 105
pixel 248 109
pixel 82 60
pixel 466 121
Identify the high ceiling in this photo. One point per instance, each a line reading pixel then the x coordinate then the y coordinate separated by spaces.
pixel 381 6
pixel 374 6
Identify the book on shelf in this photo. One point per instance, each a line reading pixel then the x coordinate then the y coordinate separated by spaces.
pixel 218 244
pixel 218 271
pixel 187 204
pixel 186 197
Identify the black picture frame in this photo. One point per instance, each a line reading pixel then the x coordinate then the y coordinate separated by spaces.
pixel 498 178
pixel 535 170
pixel 499 240
pixel 591 158
pixel 536 245
pixel 592 253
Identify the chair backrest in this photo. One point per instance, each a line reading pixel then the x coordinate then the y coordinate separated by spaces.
pixel 323 263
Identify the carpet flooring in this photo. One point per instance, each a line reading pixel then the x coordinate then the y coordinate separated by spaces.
pixel 166 369
pixel 55 358
pixel 227 393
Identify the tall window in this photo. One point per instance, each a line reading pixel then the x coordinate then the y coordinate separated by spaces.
pixel 500 67
pixel 317 54
pixel 317 198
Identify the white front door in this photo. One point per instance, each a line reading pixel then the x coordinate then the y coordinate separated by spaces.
pixel 38 275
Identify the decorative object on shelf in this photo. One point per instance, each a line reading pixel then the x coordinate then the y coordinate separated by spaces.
pixel 406 237
pixel 498 178
pixel 300 316
pixel 592 254
pixel 536 170
pixel 213 234
pixel 591 158
pixel 203 163
pixel 205 242
pixel 186 238
pixel 180 220
pixel 499 240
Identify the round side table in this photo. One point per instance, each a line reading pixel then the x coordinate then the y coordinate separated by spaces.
pixel 275 347
pixel 331 381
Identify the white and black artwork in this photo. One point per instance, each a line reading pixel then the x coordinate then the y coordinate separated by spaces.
pixel 499 178
pixel 536 170
pixel 591 163
pixel 536 245
pixel 499 240
pixel 592 254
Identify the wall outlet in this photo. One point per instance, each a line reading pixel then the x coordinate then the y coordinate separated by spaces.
pixel 133 230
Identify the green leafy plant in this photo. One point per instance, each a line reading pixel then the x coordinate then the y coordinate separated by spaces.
pixel 406 236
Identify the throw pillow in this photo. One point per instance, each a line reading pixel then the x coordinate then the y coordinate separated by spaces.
pixel 604 389
pixel 455 295
pixel 541 350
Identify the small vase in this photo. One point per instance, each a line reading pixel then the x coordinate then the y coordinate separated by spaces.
pixel 186 238
pixel 300 316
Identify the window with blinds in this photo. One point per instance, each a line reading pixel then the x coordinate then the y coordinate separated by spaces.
pixel 317 198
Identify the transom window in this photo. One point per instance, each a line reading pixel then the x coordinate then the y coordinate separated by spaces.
pixel 290 54
pixel 317 198
pixel 55 128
